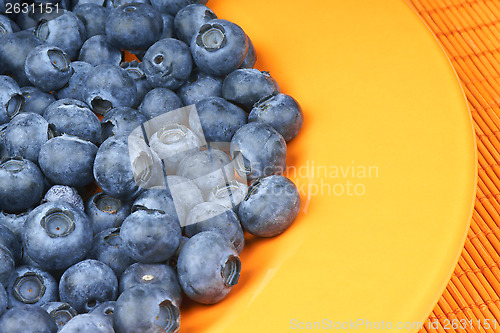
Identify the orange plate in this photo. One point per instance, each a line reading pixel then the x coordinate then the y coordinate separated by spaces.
pixel 385 164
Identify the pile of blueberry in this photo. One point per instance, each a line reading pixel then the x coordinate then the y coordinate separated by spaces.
pixel 187 144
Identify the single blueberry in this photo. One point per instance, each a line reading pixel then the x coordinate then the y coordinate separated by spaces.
pixel 172 7
pixel 247 86
pixel 219 47
pixel 107 247
pixel 66 31
pixel 200 86
pixel 106 212
pixel 208 267
pixel 135 71
pixel 73 117
pixel 87 284
pixel 258 150
pixel 21 185
pixel 134 26
pixel 251 57
pixel 26 134
pixel 60 312
pixel 93 17
pixel 121 122
pixel 68 160
pixel 146 308
pixel 27 318
pixel 270 207
pixel 31 286
pixel 113 168
pixel 159 101
pixel 35 100
pixel 167 63
pixel 56 235
pixel 150 236
pixel 98 51
pixel 75 87
pixel 47 68
pixel 14 48
pixel 189 19
pixel 11 99
pixel 64 193
pixel 220 119
pixel 280 111
pixel 107 87
pixel 210 216
pixel 149 274
pixel 88 323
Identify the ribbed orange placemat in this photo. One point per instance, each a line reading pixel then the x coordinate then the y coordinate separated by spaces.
pixel 469 32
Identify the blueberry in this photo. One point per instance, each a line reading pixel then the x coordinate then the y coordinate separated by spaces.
pixel 107 87
pixel 108 248
pixel 66 31
pixel 93 17
pixel 21 185
pixel 88 323
pixel 220 119
pixel 47 68
pixel 172 7
pixel 150 237
pixel 280 111
pixel 56 235
pixel 134 26
pixel 147 274
pixel 98 51
pixel 27 318
pixel 121 122
pixel 32 286
pixel 172 143
pixel 219 47
pixel 68 160
pixel 106 212
pixel 87 284
pixel 14 222
pixel 135 71
pixel 185 194
pixel 229 195
pixel 11 242
pixel 74 88
pixel 189 19
pixel 25 21
pixel 105 309
pixel 26 134
pixel 259 151
pixel 270 207
pixel 208 169
pixel 35 100
pixel 113 170
pixel 7 26
pixel 3 299
pixel 246 86
pixel 156 199
pixel 167 63
pixel 200 86
pixel 210 216
pixel 64 193
pixel 7 264
pixel 60 312
pixel 168 26
pixel 11 99
pixel 159 101
pixel 4 154
pixel 251 57
pixel 73 117
pixel 208 267
pixel 14 48
pixel 146 308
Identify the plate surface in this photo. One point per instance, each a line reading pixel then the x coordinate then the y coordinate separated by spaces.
pixel 385 164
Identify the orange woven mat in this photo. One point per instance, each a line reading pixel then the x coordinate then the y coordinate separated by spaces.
pixel 469 32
